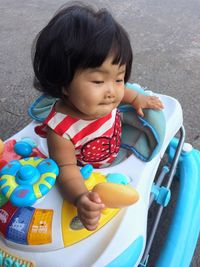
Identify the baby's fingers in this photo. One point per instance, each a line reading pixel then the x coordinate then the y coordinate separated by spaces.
pixel 140 112
pixel 94 197
pixel 90 219
pixel 86 205
pixel 90 215
pixel 154 102
pixel 92 206
pixel 91 224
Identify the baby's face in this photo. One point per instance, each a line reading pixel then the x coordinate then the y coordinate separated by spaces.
pixel 96 92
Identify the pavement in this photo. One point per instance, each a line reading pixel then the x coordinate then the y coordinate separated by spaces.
pixel 165 36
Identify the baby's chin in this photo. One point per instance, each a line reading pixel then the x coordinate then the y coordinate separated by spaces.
pixel 105 111
pixel 102 110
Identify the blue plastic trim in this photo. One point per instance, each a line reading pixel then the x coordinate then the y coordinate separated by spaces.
pixel 185 227
pixel 30 113
pixel 146 124
pixel 126 108
pixel 162 195
pixel 130 256
pixel 136 87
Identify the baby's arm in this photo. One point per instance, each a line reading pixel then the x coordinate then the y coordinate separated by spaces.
pixel 71 181
pixel 140 101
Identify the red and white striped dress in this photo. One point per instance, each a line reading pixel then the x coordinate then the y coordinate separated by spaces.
pixel 96 141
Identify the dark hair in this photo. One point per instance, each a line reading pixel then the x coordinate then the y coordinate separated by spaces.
pixel 77 37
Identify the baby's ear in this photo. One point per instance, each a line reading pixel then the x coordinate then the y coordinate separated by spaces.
pixel 65 91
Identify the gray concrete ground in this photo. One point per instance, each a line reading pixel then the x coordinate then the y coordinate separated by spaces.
pixel 166 42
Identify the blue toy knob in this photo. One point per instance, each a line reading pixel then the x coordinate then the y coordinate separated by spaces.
pixel 27 175
pixel 117 178
pixel 86 171
pixel 23 148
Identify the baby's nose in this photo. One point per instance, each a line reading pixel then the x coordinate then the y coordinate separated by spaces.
pixel 110 91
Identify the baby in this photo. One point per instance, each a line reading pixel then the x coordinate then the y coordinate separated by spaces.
pixel 84 58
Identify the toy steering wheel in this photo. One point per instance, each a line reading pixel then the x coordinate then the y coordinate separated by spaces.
pixel 25 181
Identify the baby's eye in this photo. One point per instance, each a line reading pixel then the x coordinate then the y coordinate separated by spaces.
pixel 98 82
pixel 119 80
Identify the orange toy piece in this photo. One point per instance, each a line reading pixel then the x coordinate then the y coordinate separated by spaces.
pixel 116 195
pixel 2 162
pixel 1 148
pixel 8 152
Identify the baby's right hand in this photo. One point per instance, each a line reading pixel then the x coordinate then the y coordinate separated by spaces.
pixel 89 208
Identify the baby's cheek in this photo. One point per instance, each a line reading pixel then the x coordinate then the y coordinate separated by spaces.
pixel 121 92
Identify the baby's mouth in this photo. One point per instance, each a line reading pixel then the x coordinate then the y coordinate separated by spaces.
pixel 107 103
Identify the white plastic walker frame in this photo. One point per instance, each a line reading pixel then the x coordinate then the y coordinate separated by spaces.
pixel 122 241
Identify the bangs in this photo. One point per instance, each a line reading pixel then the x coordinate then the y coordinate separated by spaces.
pixel 121 51
pixel 108 39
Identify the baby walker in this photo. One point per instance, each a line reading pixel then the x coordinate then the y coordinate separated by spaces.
pixel 38 228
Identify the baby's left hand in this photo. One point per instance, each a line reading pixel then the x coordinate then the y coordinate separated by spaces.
pixel 143 101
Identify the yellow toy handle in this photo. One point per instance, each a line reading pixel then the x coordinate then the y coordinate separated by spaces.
pixel 116 195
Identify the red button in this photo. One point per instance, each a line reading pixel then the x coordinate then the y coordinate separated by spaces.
pixel 6 213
